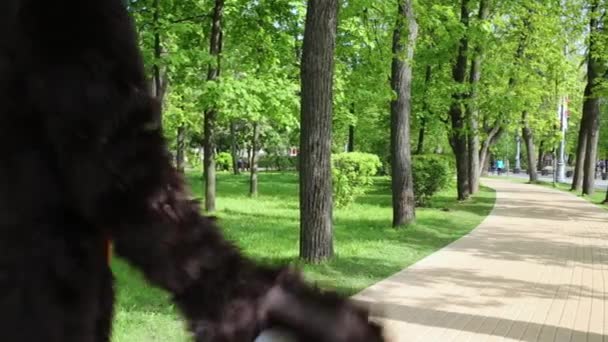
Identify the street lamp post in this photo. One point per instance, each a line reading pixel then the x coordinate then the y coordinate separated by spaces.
pixel 561 167
pixel 517 154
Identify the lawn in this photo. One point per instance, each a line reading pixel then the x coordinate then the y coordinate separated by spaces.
pixel 367 249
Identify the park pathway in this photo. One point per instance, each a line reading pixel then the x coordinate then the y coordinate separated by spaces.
pixel 536 269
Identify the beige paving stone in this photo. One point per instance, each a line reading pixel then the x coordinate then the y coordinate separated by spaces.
pixel 536 269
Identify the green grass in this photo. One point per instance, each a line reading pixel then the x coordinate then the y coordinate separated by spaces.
pixel 596 198
pixel 367 248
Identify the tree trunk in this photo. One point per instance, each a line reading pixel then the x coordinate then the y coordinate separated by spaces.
pixel 317 67
pixel 581 148
pixel 473 157
pixel 591 105
pixel 529 141
pixel 425 110
pixel 485 163
pixel 458 141
pixel 253 179
pixel 215 48
pixel 593 128
pixel 404 42
pixel 247 166
pixel 541 156
pixel 493 135
pixel 159 79
pixel 421 132
pixel 458 137
pixel 233 148
pixel 351 138
pixel 181 146
pixel 472 111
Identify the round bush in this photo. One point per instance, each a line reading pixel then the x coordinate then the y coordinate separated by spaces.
pixel 432 173
pixel 351 174
pixel 223 161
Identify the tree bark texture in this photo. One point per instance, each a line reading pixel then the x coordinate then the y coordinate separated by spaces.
pixel 591 104
pixel 421 133
pixel 458 137
pixel 592 125
pixel 215 49
pixel 317 67
pixel 484 153
pixel 426 110
pixel 180 148
pixel 404 41
pixel 541 156
pixel 472 111
pixel 529 142
pixel 253 178
pixel 581 148
pixel 233 148
pixel 159 78
pixel 351 138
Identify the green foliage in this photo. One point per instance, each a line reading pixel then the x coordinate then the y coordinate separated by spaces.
pixel 352 173
pixel 260 65
pixel 277 162
pixel 432 173
pixel 223 161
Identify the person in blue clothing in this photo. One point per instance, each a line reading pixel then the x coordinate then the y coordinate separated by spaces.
pixel 500 165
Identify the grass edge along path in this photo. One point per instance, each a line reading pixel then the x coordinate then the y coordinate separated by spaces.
pixel 367 248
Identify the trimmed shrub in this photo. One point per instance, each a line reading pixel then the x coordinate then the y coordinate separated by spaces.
pixel 223 161
pixel 432 173
pixel 277 162
pixel 352 173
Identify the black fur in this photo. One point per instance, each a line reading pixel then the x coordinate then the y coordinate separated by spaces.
pixel 82 158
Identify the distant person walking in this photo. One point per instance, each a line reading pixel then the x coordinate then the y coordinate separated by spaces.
pixel 500 165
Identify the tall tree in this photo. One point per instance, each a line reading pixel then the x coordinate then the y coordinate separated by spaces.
pixel 316 231
pixel 351 139
pixel 425 109
pixel 404 42
pixel 253 176
pixel 591 106
pixel 494 133
pixel 529 141
pixel 458 136
pixel 581 148
pixel 233 148
pixel 215 49
pixel 180 148
pixel 472 110
pixel 520 60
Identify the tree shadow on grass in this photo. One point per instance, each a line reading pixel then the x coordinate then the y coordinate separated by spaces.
pixel 380 196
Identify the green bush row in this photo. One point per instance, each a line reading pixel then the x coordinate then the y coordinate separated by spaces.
pixel 352 173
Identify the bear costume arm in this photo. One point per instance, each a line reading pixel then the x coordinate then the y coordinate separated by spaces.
pixel 85 83
pixel 118 175
pixel 122 180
